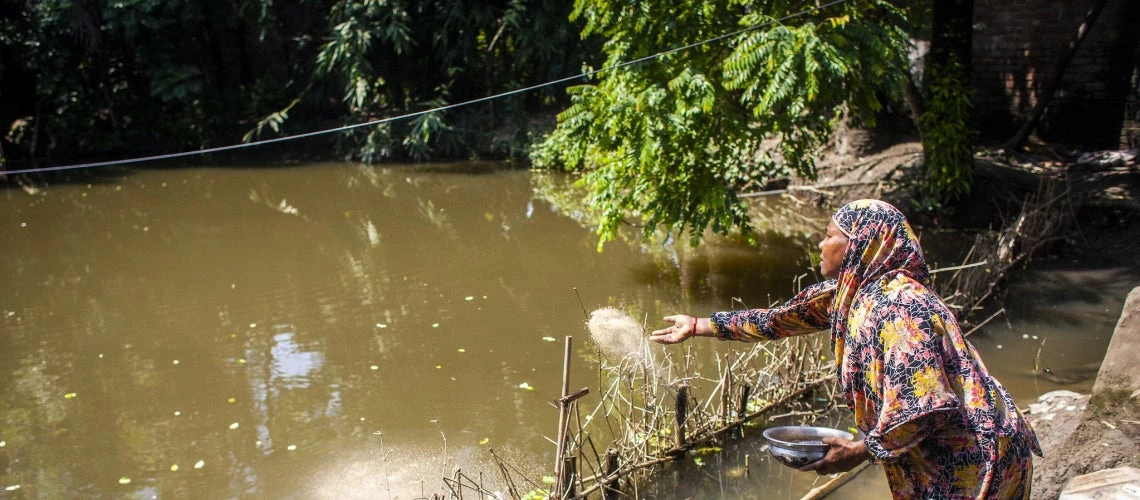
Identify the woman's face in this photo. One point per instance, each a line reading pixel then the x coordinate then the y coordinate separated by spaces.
pixel 831 251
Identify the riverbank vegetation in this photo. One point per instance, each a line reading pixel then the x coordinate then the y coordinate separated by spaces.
pixel 99 79
pixel 699 104
pixel 744 93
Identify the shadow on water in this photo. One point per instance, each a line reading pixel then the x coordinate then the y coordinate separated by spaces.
pixel 261 159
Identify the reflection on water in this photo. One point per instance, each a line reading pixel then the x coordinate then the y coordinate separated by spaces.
pixel 333 330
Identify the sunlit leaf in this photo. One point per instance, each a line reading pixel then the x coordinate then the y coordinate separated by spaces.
pixel 124 480
pixel 435 325
pixel 548 479
pixel 253 325
pixel 291 447
pixel 526 386
pixel 381 325
pixel 200 464
pixel 484 440
pixel 550 339
pixel 234 425
pixel 469 298
pixel 462 349
pixel 375 367
pixel 241 361
pixel 438 367
pixel 174 468
pixel 70 395
pixel 231 400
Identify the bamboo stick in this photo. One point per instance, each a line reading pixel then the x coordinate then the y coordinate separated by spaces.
pixel 563 416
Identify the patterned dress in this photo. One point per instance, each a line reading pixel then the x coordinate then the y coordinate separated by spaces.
pixel 930 412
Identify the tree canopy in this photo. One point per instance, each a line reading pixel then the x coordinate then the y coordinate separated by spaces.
pixel 96 77
pixel 672 142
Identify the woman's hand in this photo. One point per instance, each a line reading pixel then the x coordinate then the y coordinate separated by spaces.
pixel 843 456
pixel 684 326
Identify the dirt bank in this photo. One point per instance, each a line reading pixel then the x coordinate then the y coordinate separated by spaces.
pixel 1100 224
pixel 1080 434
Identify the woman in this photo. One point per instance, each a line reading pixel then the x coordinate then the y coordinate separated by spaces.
pixel 928 409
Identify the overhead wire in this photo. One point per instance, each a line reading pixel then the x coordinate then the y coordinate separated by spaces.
pixel 262 142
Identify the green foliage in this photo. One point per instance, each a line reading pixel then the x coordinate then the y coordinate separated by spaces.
pixel 948 135
pixel 672 142
pixel 383 58
pixel 140 76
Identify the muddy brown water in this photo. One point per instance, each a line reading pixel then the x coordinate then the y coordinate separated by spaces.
pixel 335 330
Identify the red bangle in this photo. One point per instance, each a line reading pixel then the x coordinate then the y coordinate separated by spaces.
pixel 694 326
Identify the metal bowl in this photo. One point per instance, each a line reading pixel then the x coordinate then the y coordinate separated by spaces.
pixel 797 446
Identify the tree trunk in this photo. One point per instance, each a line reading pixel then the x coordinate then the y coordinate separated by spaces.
pixel 947 125
pixel 951 38
pixel 1018 140
pixel 912 96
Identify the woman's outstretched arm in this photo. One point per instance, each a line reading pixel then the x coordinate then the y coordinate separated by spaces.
pixel 807 312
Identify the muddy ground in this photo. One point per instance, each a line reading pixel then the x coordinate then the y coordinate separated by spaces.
pixel 1079 435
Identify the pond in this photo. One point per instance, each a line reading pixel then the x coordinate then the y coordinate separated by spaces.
pixel 334 330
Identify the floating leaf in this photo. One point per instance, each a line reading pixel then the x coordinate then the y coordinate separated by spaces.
pixel 231 400
pixel 176 362
pixel 13 487
pixel 462 349
pixel 374 367
pixel 70 395
pixel 484 440
pixel 526 386
pixel 3 444
pixel 253 325
pixel 291 447
pixel 469 298
pixel 177 413
pixel 550 339
pixel 124 480
pixel 174 468
pixel 241 361
pixel 438 367
pixel 234 425
pixel 435 325
pixel 381 325
pixel 200 464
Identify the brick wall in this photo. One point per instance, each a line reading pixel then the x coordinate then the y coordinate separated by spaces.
pixel 1017 43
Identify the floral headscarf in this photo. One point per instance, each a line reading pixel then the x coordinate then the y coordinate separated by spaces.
pixel 880 241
